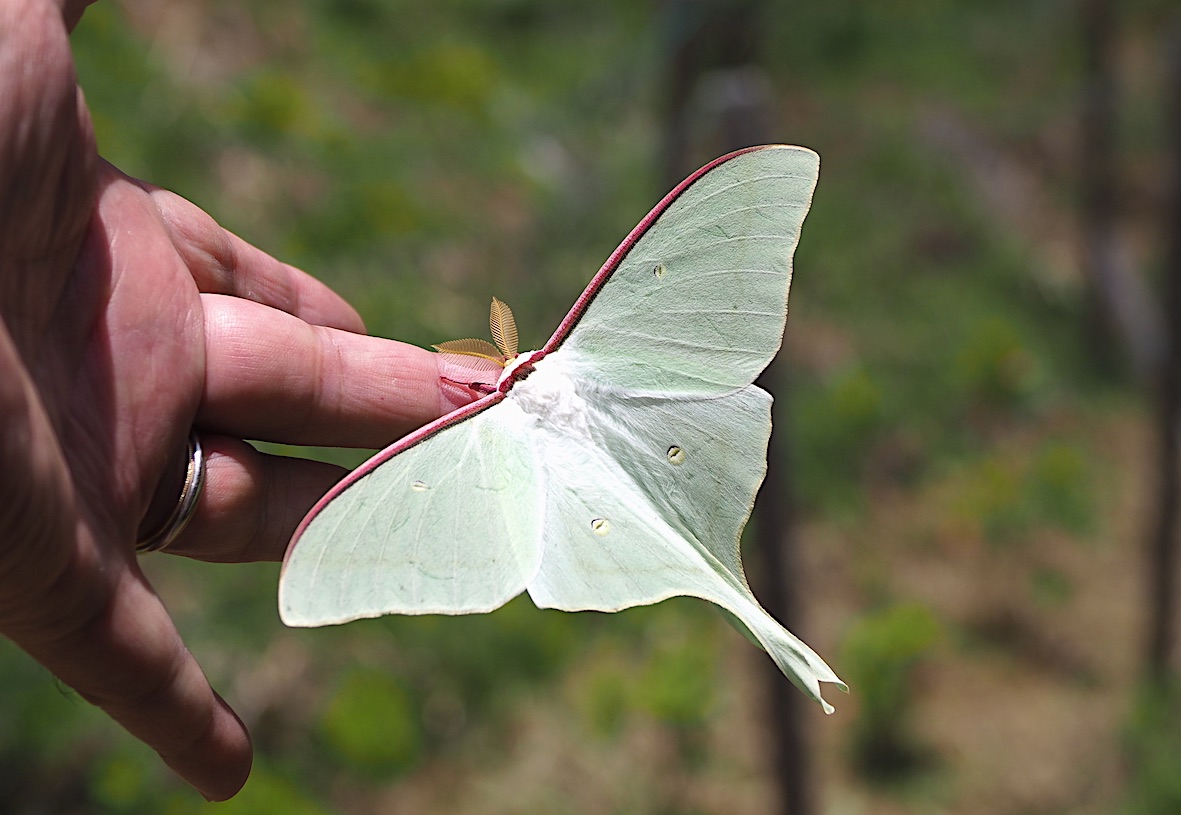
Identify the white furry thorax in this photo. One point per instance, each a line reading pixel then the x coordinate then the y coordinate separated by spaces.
pixel 549 395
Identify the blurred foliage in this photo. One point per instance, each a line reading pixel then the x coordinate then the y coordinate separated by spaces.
pixel 995 367
pixel 1153 742
pixel 837 423
pixel 372 723
pixel 880 656
pixel 421 157
pixel 1010 496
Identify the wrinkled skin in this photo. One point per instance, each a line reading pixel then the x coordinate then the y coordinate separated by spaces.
pixel 128 317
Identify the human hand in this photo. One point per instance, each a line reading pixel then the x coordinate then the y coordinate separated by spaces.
pixel 129 317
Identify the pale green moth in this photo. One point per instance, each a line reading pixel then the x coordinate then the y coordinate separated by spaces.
pixel 614 467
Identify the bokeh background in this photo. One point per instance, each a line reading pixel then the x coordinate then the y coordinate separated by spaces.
pixel 969 508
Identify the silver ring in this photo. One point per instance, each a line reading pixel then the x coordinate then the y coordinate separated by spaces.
pixel 186 505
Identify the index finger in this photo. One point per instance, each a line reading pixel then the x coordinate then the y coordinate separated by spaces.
pixel 272 377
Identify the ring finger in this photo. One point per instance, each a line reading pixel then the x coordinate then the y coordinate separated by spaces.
pixel 251 502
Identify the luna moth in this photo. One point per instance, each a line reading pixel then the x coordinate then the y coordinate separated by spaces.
pixel 613 467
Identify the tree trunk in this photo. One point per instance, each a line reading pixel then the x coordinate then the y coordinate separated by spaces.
pixel 719 99
pixel 1121 304
pixel 1162 554
pixel 775 541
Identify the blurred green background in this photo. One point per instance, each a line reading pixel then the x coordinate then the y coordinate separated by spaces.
pixel 973 461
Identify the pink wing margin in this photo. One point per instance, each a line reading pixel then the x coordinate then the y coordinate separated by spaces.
pixel 559 336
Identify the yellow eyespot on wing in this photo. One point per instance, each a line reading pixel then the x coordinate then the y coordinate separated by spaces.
pixel 472 348
pixel 504 328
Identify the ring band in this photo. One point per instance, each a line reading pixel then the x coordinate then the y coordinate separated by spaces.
pixel 186 505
